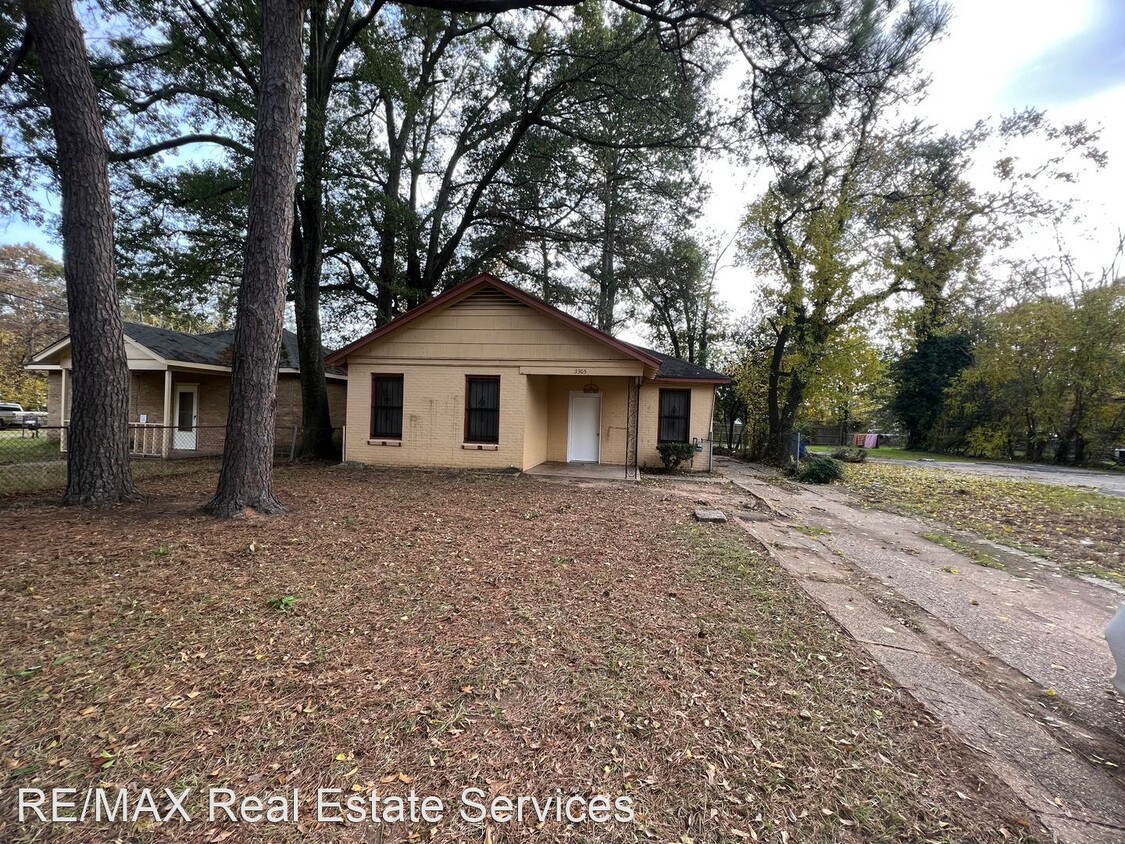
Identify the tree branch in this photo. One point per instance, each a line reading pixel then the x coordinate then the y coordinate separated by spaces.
pixel 16 58
pixel 174 143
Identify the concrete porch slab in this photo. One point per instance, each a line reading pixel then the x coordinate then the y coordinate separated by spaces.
pixel 579 471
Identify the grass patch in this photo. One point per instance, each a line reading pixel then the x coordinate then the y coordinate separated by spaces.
pixel 975 554
pixel 812 530
pixel 1081 529
pixel 608 646
pixel 19 446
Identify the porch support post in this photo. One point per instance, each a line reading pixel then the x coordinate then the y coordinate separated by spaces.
pixel 632 428
pixel 62 412
pixel 166 444
pixel 637 427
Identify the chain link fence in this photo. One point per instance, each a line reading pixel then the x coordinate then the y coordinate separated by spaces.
pixel 33 459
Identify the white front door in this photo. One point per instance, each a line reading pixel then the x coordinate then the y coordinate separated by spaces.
pixel 186 417
pixel 583 430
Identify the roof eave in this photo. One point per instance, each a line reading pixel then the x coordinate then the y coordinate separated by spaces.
pixel 690 380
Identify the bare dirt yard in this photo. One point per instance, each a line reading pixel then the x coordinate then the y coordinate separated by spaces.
pixel 434 632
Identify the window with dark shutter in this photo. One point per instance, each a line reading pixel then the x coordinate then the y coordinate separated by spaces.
pixel 482 409
pixel 675 410
pixel 386 407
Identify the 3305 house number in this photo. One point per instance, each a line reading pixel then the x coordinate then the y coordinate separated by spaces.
pixel 580 372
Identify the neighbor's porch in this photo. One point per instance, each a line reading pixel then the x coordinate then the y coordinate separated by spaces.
pixel 173 413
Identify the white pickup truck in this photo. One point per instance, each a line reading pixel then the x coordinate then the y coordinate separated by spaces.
pixel 14 416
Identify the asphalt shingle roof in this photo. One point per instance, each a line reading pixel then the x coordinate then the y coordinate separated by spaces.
pixel 681 370
pixel 212 349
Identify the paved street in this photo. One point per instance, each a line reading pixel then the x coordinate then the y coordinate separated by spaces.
pixel 1012 659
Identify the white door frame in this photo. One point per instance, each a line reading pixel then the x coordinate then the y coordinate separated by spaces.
pixel 186 440
pixel 570 423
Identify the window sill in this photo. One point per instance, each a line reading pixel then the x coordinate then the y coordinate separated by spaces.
pixel 480 446
pixel 391 443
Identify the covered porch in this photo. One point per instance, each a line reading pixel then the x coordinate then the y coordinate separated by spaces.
pixel 582 419
pixel 173 412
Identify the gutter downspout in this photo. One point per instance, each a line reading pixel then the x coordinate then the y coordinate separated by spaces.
pixel 711 434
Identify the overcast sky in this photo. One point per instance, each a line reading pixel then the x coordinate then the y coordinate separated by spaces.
pixel 998 56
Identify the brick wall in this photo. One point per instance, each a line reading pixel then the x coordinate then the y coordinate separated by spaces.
pixel 433 418
pixel 699 425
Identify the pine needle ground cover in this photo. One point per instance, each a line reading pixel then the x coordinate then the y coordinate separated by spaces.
pixel 435 632
pixel 1082 529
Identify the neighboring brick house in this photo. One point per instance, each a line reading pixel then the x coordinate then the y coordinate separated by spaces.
pixel 184 378
pixel 488 376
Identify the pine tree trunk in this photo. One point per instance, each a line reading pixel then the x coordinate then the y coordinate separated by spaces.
pixel 97 459
pixel 246 479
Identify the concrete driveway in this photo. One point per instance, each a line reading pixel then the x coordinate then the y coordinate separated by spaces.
pixel 1107 482
pixel 1012 659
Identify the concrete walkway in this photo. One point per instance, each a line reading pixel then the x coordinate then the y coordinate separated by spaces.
pixel 1013 659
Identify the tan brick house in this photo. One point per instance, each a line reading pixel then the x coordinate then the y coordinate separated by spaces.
pixel 179 385
pixel 488 376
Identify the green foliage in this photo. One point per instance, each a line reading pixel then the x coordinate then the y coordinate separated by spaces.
pixel 821 470
pixel 921 377
pixel 744 400
pixel 32 316
pixel 283 604
pixel 850 382
pixel 1048 372
pixel 676 283
pixel 438 144
pixel 673 454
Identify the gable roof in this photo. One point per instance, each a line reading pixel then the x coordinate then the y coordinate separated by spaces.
pixel 213 348
pixel 467 288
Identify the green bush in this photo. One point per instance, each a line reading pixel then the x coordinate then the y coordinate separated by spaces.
pixel 673 454
pixel 821 470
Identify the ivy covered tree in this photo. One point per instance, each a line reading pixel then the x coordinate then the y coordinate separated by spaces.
pixel 921 378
